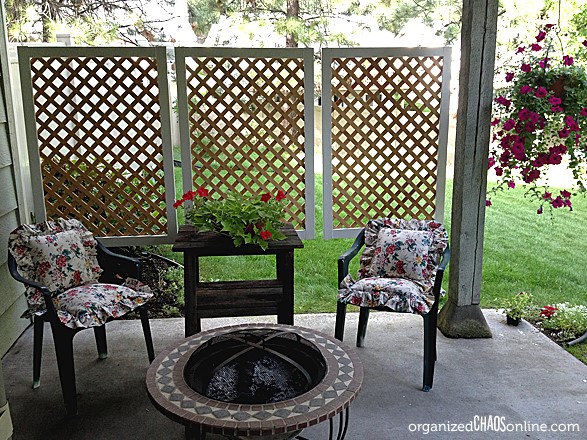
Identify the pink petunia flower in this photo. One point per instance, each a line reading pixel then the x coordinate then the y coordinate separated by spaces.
pixel 536 47
pixel 521 49
pixel 565 194
pixel 555 100
pixel 583 110
pixel 511 184
pixel 564 133
pixel 491 162
pixel 568 60
pixel 541 92
pixel 541 35
pixel 503 101
pixel 488 202
pixel 558 202
pixel 525 67
pixel 509 124
pixel 509 76
pixel 525 89
pixel 544 63
pixel 539 210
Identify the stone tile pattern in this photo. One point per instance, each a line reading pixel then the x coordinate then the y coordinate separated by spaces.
pixel 174 398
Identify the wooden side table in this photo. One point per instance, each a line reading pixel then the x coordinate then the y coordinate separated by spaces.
pixel 236 298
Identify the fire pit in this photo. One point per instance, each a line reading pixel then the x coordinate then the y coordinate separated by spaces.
pixel 264 382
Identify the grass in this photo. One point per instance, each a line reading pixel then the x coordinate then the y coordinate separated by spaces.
pixel 523 251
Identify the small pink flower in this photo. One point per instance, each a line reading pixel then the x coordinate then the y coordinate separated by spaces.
pixel 541 92
pixel 494 122
pixel 521 49
pixel 541 35
pixel 488 202
pixel 509 76
pixel 509 124
pixel 511 184
pixel 544 63
pixel 568 60
pixel 498 171
pixel 547 195
pixel 584 109
pixel 503 101
pixel 536 47
pixel 584 43
pixel 539 210
pixel 564 133
pixel 491 162
pixel 525 89
pixel 565 194
pixel 558 202
pixel 525 68
pixel 556 109
pixel 554 100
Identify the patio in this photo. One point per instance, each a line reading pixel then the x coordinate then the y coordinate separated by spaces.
pixel 518 376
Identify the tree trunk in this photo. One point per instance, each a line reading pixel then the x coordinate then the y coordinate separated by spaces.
pixel 293 11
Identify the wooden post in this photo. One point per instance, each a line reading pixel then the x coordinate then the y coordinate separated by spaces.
pixel 461 316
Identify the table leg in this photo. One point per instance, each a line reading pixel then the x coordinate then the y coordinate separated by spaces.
pixel 191 275
pixel 285 274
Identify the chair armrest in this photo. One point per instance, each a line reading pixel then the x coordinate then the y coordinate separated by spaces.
pixel 440 273
pixel 116 268
pixel 345 259
pixel 13 269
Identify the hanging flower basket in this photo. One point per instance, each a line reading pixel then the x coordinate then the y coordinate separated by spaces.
pixel 541 120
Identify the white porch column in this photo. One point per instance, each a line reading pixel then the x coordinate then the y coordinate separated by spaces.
pixel 461 316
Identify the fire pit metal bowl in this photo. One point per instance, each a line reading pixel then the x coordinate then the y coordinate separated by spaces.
pixel 256 381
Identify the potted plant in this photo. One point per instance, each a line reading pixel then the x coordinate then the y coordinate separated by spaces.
pixel 541 119
pixel 247 219
pixel 516 307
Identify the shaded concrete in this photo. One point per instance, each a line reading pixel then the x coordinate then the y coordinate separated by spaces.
pixel 518 375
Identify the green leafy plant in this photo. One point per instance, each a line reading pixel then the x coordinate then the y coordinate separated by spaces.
pixel 540 118
pixel 516 306
pixel 247 219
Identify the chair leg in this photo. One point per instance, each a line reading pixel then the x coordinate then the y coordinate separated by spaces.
pixel 63 339
pixel 430 321
pixel 101 344
pixel 144 314
pixel 38 324
pixel 362 330
pixel 340 320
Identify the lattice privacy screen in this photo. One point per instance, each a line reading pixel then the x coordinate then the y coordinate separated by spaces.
pixel 98 137
pixel 387 142
pixel 246 124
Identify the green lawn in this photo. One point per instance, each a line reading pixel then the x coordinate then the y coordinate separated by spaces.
pixel 541 254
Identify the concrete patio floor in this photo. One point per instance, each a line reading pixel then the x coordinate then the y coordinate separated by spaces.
pixel 518 376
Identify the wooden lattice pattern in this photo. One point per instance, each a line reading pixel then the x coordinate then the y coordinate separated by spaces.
pixel 99 134
pixel 385 137
pixel 246 126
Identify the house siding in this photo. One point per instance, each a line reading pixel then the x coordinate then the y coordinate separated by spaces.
pixel 12 301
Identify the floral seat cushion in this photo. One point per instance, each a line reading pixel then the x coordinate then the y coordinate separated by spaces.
pixel 397 266
pixel 61 255
pixel 92 305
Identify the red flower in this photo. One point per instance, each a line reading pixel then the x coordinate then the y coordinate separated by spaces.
pixel 568 60
pixel 536 47
pixel 178 203
pixel 266 197
pixel 548 311
pixel 203 192
pixel 280 195
pixel 509 76
pixel 189 195
pixel 265 235
pixel 61 261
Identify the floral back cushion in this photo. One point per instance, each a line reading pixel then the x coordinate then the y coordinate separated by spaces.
pixel 56 254
pixel 436 247
pixel 401 253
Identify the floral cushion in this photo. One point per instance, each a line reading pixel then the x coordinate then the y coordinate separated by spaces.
pixel 56 254
pixel 397 294
pixel 93 304
pixel 375 287
pixel 401 253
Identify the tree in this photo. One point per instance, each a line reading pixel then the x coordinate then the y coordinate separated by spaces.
pixel 34 20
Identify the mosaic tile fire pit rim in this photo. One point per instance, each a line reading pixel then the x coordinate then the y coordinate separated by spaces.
pixel 172 396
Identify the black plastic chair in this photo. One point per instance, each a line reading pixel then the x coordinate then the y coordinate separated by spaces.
pixel 116 268
pixel 430 318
